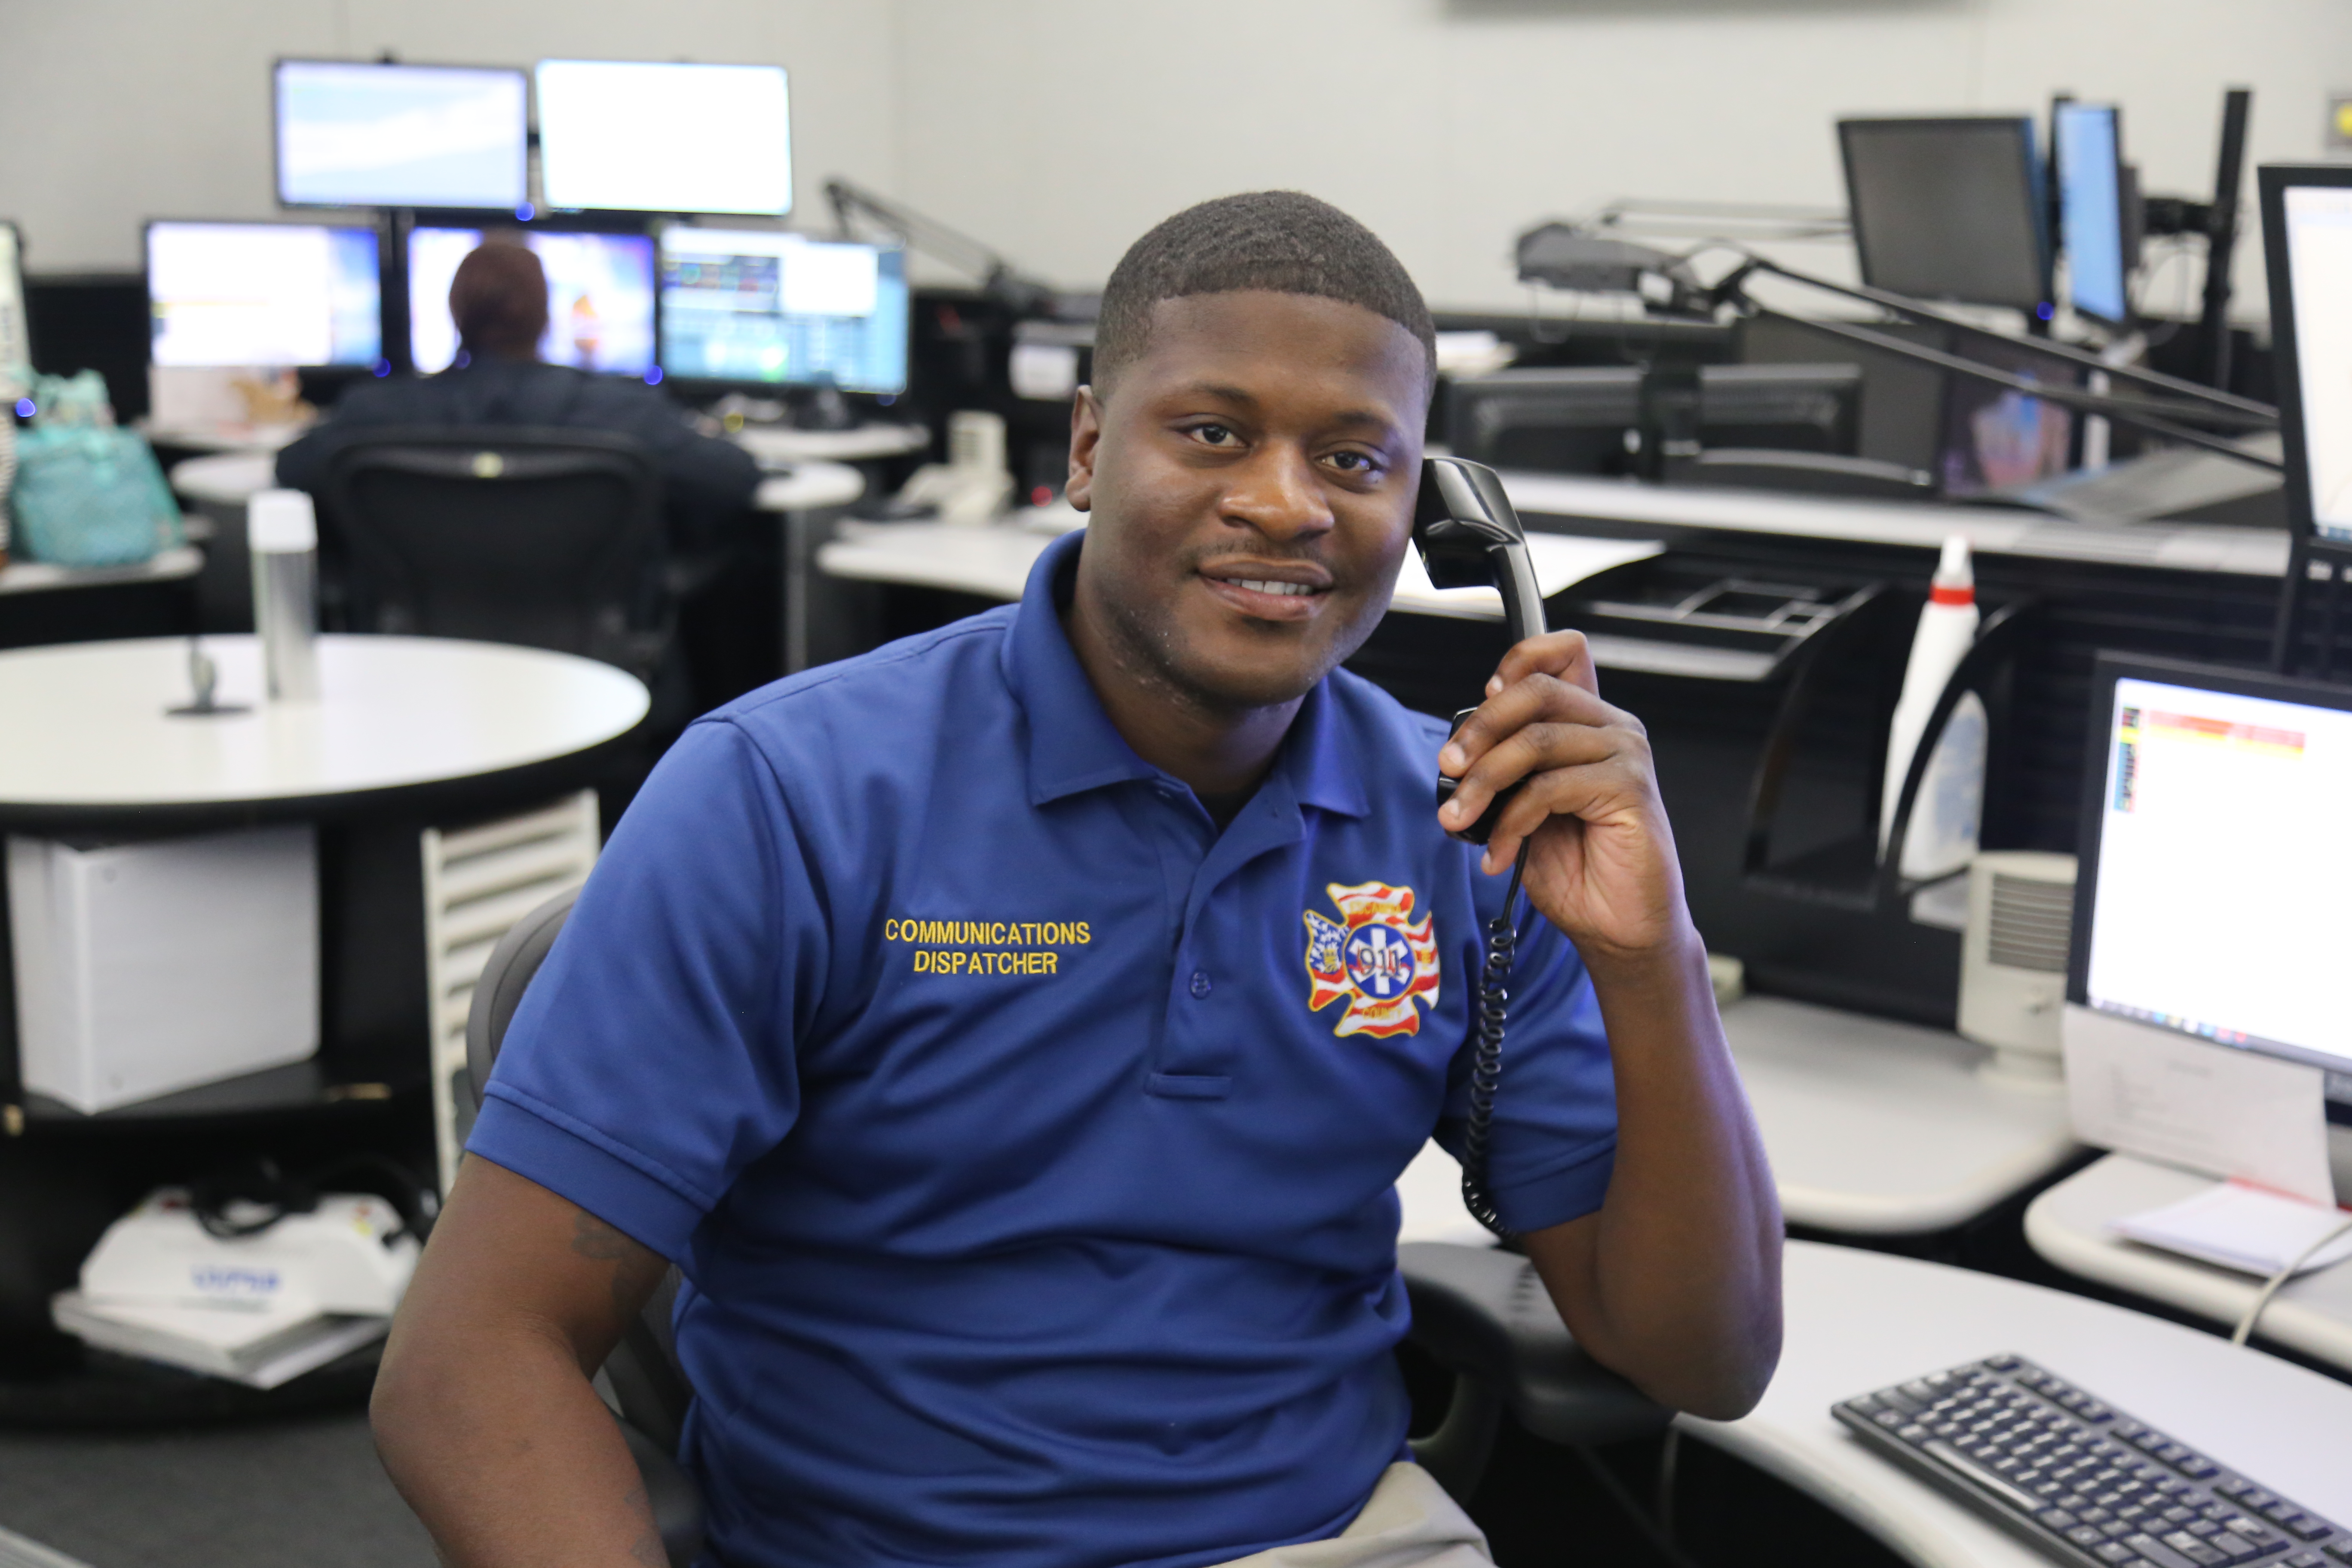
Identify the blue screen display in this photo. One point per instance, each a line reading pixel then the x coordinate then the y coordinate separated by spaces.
pixel 2090 210
pixel 599 297
pixel 750 305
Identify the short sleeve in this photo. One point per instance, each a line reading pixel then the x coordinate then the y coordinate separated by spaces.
pixel 652 1058
pixel 1554 1137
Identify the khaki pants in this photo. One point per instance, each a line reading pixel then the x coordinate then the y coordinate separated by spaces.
pixel 1408 1523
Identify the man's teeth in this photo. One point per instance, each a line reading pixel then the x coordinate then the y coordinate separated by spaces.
pixel 1285 588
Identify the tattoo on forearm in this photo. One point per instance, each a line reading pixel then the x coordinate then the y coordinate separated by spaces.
pixel 648 1548
pixel 635 1268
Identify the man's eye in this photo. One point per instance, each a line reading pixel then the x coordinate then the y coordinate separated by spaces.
pixel 1353 462
pixel 1214 435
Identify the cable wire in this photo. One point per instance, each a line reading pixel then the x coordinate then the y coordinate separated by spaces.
pixel 2271 1287
pixel 1491 1010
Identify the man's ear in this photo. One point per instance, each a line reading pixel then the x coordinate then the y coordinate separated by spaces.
pixel 1086 435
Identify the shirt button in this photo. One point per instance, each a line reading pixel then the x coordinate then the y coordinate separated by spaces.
pixel 1201 982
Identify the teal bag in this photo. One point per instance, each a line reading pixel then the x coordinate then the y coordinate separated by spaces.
pixel 87 493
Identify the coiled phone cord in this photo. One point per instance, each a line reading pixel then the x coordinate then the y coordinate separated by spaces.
pixel 1492 1009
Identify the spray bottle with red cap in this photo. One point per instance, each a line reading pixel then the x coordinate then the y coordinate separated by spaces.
pixel 1945 819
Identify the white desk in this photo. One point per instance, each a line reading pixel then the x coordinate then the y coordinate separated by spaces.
pixel 40 577
pixel 1860 1321
pixel 230 438
pixel 1989 529
pixel 1872 1127
pixel 2068 1225
pixel 1882 1129
pixel 775 444
pixel 994 562
pixel 86 726
pixel 232 479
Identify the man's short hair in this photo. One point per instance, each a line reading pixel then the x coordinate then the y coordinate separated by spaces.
pixel 1285 241
pixel 498 300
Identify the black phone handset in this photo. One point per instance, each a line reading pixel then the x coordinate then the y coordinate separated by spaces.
pixel 1469 537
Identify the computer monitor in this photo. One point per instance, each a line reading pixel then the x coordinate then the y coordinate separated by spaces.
pixel 599 297
pixel 264 294
pixel 2088 139
pixel 15 337
pixel 1948 209
pixel 351 134
pixel 627 137
pixel 2307 245
pixel 740 305
pixel 1577 419
pixel 2209 899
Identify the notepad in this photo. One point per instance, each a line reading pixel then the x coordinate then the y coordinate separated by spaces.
pixel 2241 1226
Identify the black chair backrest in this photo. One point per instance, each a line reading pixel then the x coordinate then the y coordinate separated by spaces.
pixel 644 1369
pixel 499 534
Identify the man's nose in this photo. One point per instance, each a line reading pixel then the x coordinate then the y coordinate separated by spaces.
pixel 1280 494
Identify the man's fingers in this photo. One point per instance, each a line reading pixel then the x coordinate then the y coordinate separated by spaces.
pixel 1528 752
pixel 1586 791
pixel 1533 698
pixel 1564 654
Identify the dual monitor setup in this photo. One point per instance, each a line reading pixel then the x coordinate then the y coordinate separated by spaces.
pixel 1961 209
pixel 640 281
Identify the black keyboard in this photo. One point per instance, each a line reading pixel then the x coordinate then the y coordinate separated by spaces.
pixel 2082 1481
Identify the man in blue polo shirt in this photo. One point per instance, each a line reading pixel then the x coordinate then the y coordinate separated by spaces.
pixel 1015 1034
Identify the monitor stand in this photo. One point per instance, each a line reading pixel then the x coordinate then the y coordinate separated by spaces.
pixel 823 408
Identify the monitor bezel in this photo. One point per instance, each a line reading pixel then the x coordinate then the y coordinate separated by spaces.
pixel 699 385
pixel 278 137
pixel 2107 668
pixel 653 215
pixel 24 307
pixel 604 223
pixel 2037 197
pixel 383 270
pixel 2273 181
pixel 2115 113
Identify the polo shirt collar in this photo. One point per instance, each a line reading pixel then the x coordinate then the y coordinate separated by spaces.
pixel 1073 745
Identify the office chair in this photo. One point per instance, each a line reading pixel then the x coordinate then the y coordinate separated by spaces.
pixel 548 538
pixel 1480 1313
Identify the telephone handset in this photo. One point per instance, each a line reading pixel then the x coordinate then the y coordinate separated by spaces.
pixel 1469 537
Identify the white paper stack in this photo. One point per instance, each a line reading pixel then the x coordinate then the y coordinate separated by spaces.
pixel 2239 1226
pixel 262 1346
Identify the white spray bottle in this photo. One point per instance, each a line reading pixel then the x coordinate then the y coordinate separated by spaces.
pixel 1945 819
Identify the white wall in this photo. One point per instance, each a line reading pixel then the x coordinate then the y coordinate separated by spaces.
pixel 1059 130
pixel 116 110
pixel 1062 129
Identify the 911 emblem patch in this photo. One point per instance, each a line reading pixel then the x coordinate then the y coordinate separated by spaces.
pixel 1374 957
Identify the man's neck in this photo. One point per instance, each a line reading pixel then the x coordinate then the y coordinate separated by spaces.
pixel 1218 752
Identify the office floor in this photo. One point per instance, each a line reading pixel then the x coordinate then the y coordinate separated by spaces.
pixel 291 1494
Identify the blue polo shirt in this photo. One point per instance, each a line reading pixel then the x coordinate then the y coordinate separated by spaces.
pixel 1027 1143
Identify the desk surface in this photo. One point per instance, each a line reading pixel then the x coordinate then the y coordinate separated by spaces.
pixel 1860 1321
pixel 232 479
pixel 1989 529
pixel 1876 1128
pixel 868 443
pixel 87 724
pixel 992 561
pixel 2068 1225
pixel 1872 1127
pixel 39 577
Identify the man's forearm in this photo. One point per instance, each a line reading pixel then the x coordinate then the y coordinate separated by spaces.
pixel 501 1445
pixel 1680 1272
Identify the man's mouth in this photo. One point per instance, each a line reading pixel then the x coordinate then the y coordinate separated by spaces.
pixel 1269 592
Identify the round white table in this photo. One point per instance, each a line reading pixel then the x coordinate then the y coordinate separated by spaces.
pixel 232 479
pixel 89 733
pixel 868 443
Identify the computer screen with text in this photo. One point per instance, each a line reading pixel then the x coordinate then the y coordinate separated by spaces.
pixel 766 306
pixel 2222 856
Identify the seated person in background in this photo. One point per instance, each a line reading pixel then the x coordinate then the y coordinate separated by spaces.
pixel 1015 1034
pixel 498 301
